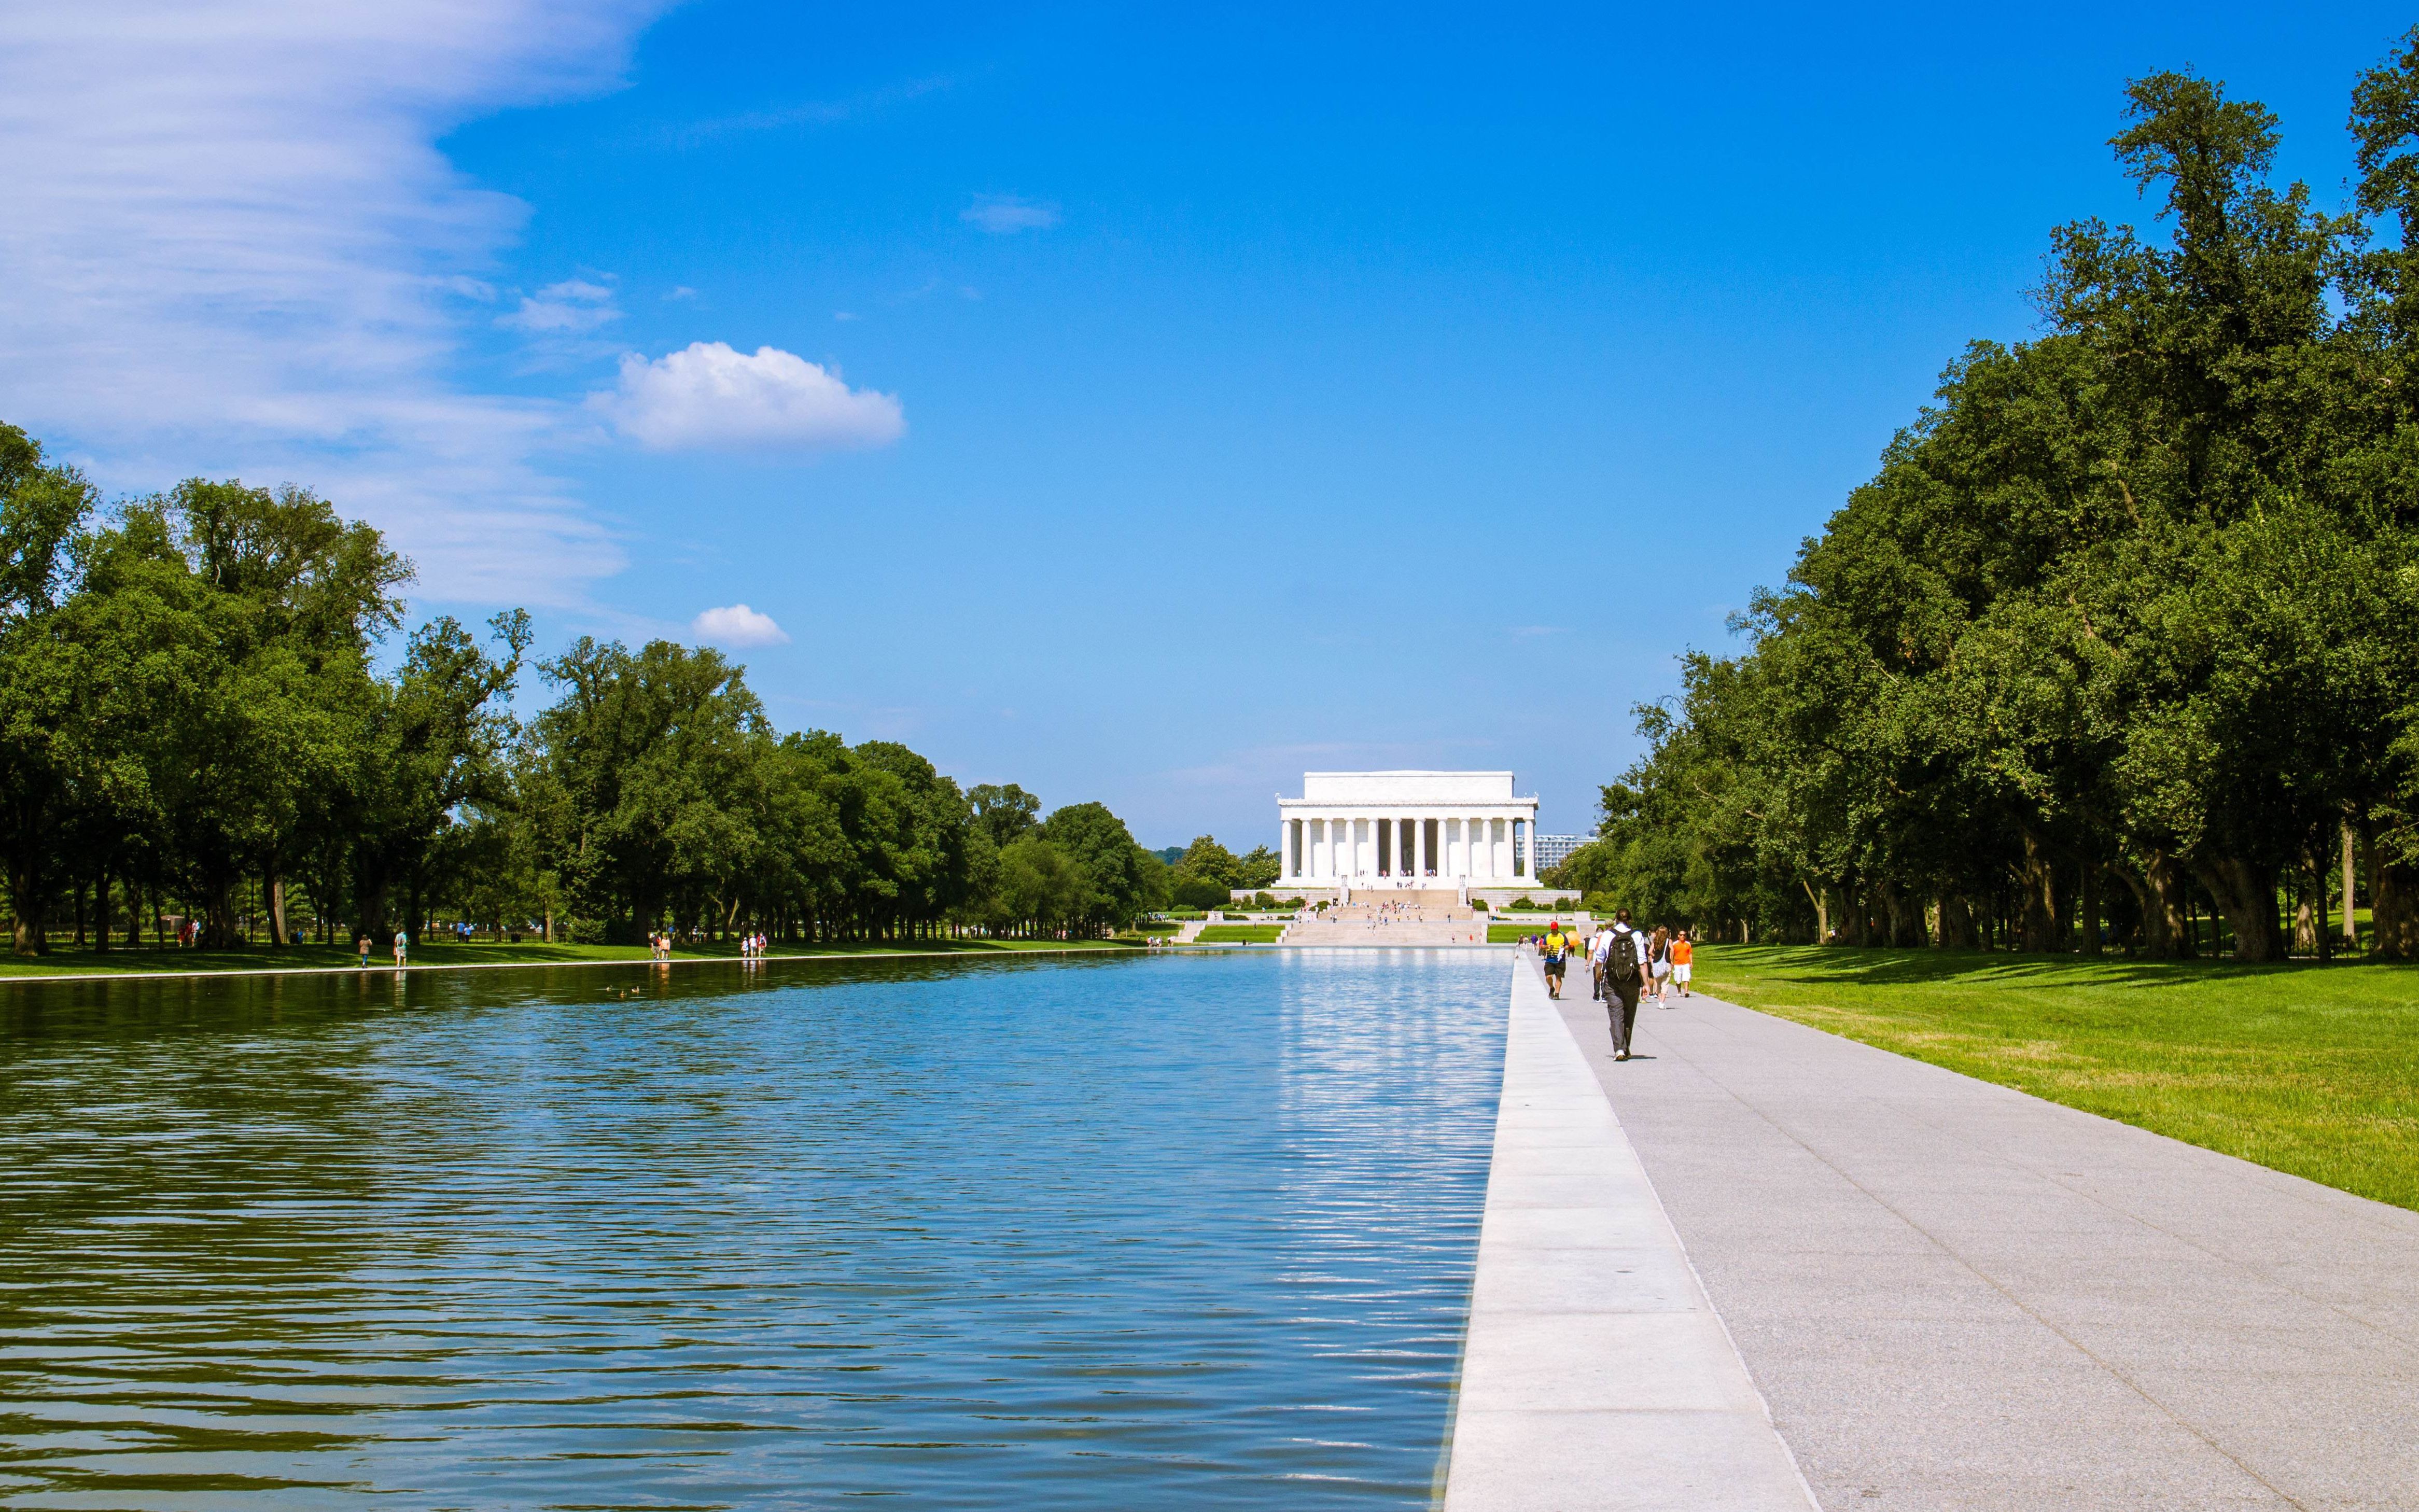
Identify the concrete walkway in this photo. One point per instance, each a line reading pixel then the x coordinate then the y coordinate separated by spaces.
pixel 1595 1375
pixel 1956 1296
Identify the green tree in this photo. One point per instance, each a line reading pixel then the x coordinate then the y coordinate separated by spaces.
pixel 1112 870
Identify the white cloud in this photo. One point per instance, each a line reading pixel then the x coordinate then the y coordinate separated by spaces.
pixel 1006 214
pixel 736 625
pixel 708 396
pixel 231 247
pixel 567 308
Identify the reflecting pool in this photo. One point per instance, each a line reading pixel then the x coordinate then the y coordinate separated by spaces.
pixel 1185 1231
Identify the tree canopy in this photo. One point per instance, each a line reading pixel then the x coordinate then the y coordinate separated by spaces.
pixel 2125 629
pixel 194 710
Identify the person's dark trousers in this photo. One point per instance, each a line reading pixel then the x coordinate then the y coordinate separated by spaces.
pixel 1622 1008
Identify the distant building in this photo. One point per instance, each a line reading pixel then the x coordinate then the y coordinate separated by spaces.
pixel 1553 850
pixel 1383 831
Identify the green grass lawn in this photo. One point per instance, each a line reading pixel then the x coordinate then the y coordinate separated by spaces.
pixel 1515 934
pixel 1239 935
pixel 2309 1069
pixel 67 960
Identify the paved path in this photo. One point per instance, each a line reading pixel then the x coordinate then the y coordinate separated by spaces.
pixel 1956 1296
pixel 1595 1376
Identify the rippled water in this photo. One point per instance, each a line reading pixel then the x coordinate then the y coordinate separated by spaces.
pixel 1139 1233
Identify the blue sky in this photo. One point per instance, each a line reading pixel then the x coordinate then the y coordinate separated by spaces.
pixel 1156 408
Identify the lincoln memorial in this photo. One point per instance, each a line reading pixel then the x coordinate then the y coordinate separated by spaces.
pixel 1385 831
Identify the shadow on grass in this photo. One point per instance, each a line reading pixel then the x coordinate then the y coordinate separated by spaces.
pixel 1883 967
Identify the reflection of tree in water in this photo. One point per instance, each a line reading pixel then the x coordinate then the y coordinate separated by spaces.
pixel 927 1228
pixel 186 1176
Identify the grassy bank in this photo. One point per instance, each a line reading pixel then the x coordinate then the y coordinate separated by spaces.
pixel 1240 933
pixel 68 961
pixel 2309 1069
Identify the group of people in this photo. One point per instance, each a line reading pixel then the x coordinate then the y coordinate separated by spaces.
pixel 753 944
pixel 1628 964
pixel 402 949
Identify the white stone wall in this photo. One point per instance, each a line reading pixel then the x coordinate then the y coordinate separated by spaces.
pixel 1382 831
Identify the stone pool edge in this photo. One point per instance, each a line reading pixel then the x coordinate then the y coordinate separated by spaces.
pixel 1595 1373
pixel 526 965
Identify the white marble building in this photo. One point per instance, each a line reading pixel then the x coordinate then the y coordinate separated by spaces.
pixel 1383 831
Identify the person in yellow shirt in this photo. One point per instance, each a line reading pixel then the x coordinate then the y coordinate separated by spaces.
pixel 1557 953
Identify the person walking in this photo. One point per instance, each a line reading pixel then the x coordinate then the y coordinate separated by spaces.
pixel 1683 955
pixel 363 944
pixel 1658 961
pixel 1557 951
pixel 1626 962
pixel 402 949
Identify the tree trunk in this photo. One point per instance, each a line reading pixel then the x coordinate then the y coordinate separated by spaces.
pixel 2306 923
pixel 2166 911
pixel 25 899
pixel 2393 904
pixel 2087 896
pixel 1820 899
pixel 1906 914
pixel 273 893
pixel 100 919
pixel 1848 912
pixel 2036 898
pixel 2351 886
pixel 2245 892
pixel 369 908
pixel 2151 934
pixel 218 912
pixel 1956 923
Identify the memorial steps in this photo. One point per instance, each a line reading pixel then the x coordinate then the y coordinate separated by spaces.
pixel 1373 925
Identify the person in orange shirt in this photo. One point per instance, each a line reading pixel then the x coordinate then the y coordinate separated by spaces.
pixel 1682 952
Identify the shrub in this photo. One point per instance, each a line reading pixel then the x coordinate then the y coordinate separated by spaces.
pixel 1264 900
pixel 1521 904
pixel 1479 903
pixel 1292 903
pixel 584 930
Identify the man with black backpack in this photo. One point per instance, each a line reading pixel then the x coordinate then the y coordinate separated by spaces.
pixel 1623 953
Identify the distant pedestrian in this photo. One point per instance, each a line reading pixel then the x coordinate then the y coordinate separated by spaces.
pixel 1683 955
pixel 364 945
pixel 402 949
pixel 1557 953
pixel 1658 959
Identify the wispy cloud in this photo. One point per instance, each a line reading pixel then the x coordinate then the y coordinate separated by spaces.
pixel 810 112
pixel 231 247
pixel 708 396
pixel 568 308
pixel 1006 214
